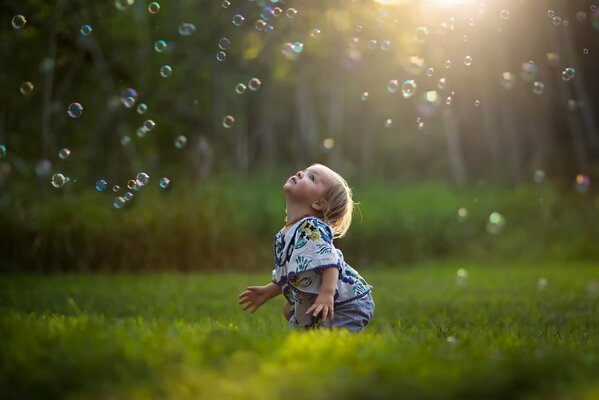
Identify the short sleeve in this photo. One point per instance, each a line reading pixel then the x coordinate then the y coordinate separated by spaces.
pixel 312 250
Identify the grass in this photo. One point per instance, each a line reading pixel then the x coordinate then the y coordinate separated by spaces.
pixel 183 336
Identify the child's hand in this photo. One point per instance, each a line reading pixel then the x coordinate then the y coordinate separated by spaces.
pixel 323 302
pixel 255 296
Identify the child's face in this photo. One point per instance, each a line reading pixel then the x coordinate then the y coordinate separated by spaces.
pixel 309 185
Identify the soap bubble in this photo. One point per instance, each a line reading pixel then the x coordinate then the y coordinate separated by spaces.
pixel 101 185
pixel 154 7
pixel 119 202
pixel 392 86
pixel 26 88
pixel 582 183
pixel 64 153
pixel 160 46
pixel 131 184
pixel 421 34
pixel 537 87
pixel 441 83
pixel 315 33
pixel 129 97
pixel 149 124
pixel 298 47
pixel 507 80
pixel 164 182
pixel 186 29
pixel 495 223
pixel 447 64
pixel 128 196
pixel 141 131
pixel 2 151
pixel 539 175
pixel 430 72
pixel 122 5
pixel 240 88
pixel 460 278
pixel 238 19
pixel 223 43
pixel 143 179
pixel 85 30
pixel 462 214
pixel 58 180
pixel 18 21
pixel 228 121
pixel 504 15
pixel 291 13
pixel 385 45
pixel 364 96
pixel 254 84
pixel 221 55
pixel 541 284
pixel 388 123
pixel 550 13
pixel 288 51
pixel 476 103
pixel 142 108
pixel 556 21
pixel 116 188
pixel 125 140
pixel 260 25
pixel 568 73
pixel 75 110
pixel 180 141
pixel 166 71
pixel 468 61
pixel 372 44
pixel 408 88
pixel 585 51
pixel 225 3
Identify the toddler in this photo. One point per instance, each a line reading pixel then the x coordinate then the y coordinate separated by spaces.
pixel 309 271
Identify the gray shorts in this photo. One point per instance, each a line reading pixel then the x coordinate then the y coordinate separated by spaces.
pixel 353 315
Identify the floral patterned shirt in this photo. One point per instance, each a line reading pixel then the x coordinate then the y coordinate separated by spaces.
pixel 301 252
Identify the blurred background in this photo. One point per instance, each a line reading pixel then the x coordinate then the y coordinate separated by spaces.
pixel 144 135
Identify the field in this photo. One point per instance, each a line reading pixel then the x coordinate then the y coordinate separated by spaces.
pixel 501 332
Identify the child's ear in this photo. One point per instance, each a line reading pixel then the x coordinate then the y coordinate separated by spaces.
pixel 319 205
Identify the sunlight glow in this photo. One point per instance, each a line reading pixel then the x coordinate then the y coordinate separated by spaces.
pixel 438 3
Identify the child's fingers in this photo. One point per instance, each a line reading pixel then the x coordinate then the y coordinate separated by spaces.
pixel 244 293
pixel 255 308
pixel 248 305
pixel 317 310
pixel 310 309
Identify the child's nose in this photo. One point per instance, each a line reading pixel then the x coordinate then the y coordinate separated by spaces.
pixel 299 174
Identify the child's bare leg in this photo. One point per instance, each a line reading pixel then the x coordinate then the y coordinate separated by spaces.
pixel 287 310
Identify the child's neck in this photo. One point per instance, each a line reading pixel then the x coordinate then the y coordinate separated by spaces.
pixel 295 213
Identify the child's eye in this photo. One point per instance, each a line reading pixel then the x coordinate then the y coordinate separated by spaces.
pixel 312 177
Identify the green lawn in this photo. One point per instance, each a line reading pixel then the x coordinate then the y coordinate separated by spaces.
pixel 185 337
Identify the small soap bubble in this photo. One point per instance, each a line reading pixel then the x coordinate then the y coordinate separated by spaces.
pixel 101 185
pixel 125 140
pixel 225 3
pixel 223 43
pixel 221 56
pixel 448 100
pixel 58 180
pixel 228 121
pixel 154 7
pixel 18 21
pixel 421 34
pixel 568 73
pixel 537 87
pixel 315 33
pixel 164 182
pixel 240 88
pixel 441 83
pixel 131 184
pixel 166 71
pixel 430 71
pixel 75 110
pixel 298 47
pixel 143 179
pixel 468 61
pixel 508 80
pixel 142 108
pixel 451 339
pixel 550 13
pixel 64 153
pixel 122 5
pixel 385 45
pixel 26 88
pixel 504 15
pixel 582 183
pixel 129 97
pixel 372 44
pixel 328 143
pixel 288 51
pixel 160 46
pixel 116 188
pixel 495 223
pixel 585 51
pixel 238 19
pixel 128 102
pixel 291 13
pixel 408 88
pixel 476 103
pixel 557 21
pixel 85 30
pixel 128 196
pixel 254 84
pixel 260 25
pixel 2 151
pixel 180 141
pixel 119 202
pixel 447 64
pixel 539 175
pixel 392 86
pixel 149 124
pixel 364 96
pixel 141 132
pixel 461 276
pixel 542 284
pixel 462 214
pixel 388 123
pixel 186 29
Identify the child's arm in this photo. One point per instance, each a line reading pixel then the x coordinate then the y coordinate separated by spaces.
pixel 325 299
pixel 257 295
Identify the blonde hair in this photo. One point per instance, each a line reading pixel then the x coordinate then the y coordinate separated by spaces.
pixel 340 205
